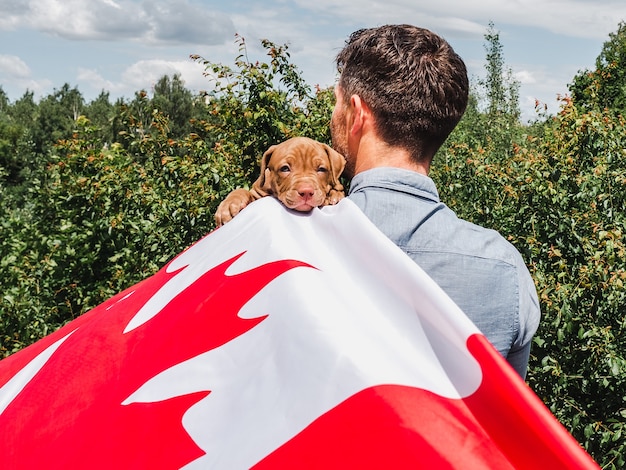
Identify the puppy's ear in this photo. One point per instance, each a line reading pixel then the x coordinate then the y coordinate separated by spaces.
pixel 263 185
pixel 337 164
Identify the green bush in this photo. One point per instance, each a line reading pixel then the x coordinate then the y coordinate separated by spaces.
pixel 560 198
pixel 103 216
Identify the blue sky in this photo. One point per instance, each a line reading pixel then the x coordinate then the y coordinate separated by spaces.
pixel 123 46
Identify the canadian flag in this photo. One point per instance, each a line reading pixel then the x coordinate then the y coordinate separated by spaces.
pixel 281 340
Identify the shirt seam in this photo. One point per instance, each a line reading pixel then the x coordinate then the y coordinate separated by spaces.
pixel 408 249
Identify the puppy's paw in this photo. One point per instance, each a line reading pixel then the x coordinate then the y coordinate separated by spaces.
pixel 232 205
pixel 333 197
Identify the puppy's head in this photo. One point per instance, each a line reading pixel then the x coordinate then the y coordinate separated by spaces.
pixel 302 173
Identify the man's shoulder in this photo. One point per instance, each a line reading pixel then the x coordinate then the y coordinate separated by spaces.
pixel 406 207
pixel 489 242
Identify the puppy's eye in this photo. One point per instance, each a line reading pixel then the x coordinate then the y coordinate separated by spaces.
pixel 322 169
pixel 284 168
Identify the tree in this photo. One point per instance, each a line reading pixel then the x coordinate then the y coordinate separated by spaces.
pixel 500 87
pixel 17 158
pixel 487 136
pixel 56 117
pixel 4 101
pixel 492 117
pixel 604 87
pixel 501 95
pixel 24 111
pixel 100 113
pixel 176 102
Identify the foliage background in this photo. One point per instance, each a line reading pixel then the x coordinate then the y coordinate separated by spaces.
pixel 96 196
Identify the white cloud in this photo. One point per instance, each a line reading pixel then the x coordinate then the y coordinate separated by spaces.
pixel 152 21
pixel 209 22
pixel 14 67
pixel 525 77
pixel 16 75
pixel 540 84
pixel 94 80
pixel 575 18
pixel 179 21
pixel 145 73
pixel 75 19
pixel 12 13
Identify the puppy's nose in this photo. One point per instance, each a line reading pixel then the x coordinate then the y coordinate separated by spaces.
pixel 306 192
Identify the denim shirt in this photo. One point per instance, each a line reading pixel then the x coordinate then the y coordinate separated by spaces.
pixel 478 268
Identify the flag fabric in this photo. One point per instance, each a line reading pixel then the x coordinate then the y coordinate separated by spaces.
pixel 280 340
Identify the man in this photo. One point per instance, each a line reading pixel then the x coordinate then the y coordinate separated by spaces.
pixel 400 93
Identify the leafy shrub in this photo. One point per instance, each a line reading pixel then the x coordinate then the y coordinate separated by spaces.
pixel 603 88
pixel 559 198
pixel 103 216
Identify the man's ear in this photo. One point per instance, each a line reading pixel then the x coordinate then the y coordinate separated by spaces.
pixel 263 185
pixel 361 115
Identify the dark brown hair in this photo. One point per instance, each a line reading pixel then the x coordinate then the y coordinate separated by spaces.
pixel 412 80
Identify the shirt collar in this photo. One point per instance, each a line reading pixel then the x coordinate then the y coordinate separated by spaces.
pixel 396 179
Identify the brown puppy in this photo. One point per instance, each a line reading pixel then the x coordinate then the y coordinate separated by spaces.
pixel 301 172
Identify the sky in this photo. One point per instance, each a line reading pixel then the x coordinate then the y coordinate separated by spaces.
pixel 124 46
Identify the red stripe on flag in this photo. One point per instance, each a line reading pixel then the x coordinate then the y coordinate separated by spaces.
pixel 538 439
pixel 391 427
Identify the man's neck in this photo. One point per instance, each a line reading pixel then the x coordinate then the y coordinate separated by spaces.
pixel 377 154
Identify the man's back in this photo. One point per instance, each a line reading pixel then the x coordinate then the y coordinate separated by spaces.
pixel 481 271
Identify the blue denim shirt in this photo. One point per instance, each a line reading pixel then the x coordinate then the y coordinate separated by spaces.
pixel 480 270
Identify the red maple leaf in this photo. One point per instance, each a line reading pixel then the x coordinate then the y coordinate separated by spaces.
pixel 70 414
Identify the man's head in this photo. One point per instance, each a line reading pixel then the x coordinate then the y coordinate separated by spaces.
pixel 411 80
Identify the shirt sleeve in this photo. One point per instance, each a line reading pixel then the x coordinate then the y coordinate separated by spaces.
pixel 529 316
